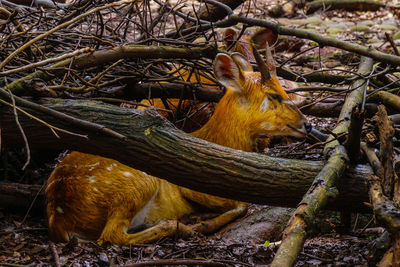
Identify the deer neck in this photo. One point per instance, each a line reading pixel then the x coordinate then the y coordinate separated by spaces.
pixel 227 126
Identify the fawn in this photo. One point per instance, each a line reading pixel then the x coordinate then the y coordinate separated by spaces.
pixel 95 198
pixel 199 114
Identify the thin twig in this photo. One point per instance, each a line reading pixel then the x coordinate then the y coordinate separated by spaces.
pixel 47 61
pixel 54 253
pixel 72 120
pixel 177 262
pixel 59 27
pixel 52 128
pixel 28 151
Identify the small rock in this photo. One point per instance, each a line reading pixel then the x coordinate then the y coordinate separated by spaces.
pixel 313 20
pixel 360 28
pixel 103 257
pixel 275 11
pixel 314 262
pixel 289 7
pixel 387 27
pixel 366 23
pixel 334 30
pixel 327 22
pixel 63 259
pixel 343 25
pixel 396 36
pixel 238 251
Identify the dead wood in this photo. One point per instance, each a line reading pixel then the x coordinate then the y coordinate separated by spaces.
pixel 354 137
pixel 372 158
pixel 109 56
pixel 332 110
pixel 144 137
pixel 300 33
pixel 386 133
pixel 312 77
pixel 386 213
pixel 174 90
pixel 350 5
pixel 323 188
pixel 21 196
pixel 54 253
pixel 383 190
pixel 386 98
pixel 378 247
pixel 46 3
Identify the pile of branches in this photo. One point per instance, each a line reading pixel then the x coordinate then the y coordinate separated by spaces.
pixel 68 56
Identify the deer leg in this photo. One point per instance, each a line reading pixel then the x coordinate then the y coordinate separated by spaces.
pixel 116 227
pixel 232 209
pixel 212 225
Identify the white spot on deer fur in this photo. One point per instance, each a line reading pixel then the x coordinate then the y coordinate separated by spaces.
pixel 144 173
pixel 59 210
pixel 243 102
pixel 127 174
pixel 95 189
pixel 92 180
pixel 108 182
pixel 109 168
pixel 267 126
pixel 264 104
pixel 94 164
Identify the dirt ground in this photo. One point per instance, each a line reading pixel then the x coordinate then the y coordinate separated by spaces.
pixel 27 244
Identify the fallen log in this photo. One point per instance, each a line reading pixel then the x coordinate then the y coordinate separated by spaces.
pixel 360 5
pixel 325 183
pixel 144 140
pixel 21 197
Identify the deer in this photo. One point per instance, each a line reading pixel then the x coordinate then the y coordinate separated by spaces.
pixel 200 113
pixel 95 198
pixel 260 38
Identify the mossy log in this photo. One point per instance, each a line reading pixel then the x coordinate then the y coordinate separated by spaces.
pixel 324 186
pixel 150 143
pixel 360 5
pixel 386 98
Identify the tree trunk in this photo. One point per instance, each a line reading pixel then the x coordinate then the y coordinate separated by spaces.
pixel 150 143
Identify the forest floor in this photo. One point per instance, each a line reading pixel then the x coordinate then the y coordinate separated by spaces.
pixel 25 242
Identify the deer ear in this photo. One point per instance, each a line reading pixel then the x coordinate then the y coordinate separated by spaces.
pixel 229 37
pixel 263 36
pixel 227 72
pixel 242 62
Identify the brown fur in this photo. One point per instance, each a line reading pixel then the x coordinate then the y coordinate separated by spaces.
pixel 198 114
pixel 95 198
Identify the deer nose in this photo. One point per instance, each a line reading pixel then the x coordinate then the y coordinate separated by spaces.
pixel 308 127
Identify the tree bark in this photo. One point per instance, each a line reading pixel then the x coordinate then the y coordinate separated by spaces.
pixel 21 197
pixel 386 98
pixel 150 143
pixel 324 186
